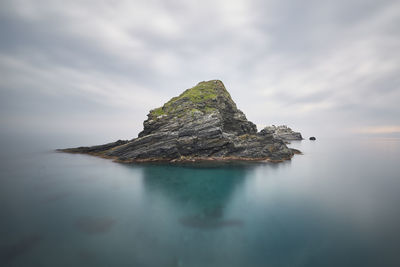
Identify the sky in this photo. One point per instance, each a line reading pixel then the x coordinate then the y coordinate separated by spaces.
pixel 93 69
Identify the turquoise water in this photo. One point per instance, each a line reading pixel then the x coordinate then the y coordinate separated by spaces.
pixel 336 205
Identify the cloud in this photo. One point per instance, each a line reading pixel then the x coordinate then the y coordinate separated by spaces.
pixel 305 64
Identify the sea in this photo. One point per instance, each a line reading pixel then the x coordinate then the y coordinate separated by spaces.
pixel 337 204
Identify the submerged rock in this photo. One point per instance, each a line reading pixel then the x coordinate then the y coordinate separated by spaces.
pixel 203 123
pixel 23 246
pixel 281 132
pixel 312 138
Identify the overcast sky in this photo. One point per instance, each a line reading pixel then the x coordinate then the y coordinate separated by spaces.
pixel 97 67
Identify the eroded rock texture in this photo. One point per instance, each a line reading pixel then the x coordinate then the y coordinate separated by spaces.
pixel 282 132
pixel 202 123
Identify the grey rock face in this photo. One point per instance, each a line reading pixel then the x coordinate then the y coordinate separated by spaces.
pixel 202 123
pixel 281 132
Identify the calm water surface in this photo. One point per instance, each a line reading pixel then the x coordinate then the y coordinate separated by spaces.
pixel 336 205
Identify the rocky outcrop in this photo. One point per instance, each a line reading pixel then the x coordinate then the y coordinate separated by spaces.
pixel 203 123
pixel 282 132
pixel 95 149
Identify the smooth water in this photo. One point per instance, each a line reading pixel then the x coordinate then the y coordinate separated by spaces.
pixel 336 205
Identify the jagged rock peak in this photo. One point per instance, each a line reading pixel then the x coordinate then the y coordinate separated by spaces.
pixel 206 98
pixel 202 97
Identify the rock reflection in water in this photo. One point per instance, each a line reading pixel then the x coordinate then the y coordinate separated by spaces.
pixel 201 191
pixel 208 223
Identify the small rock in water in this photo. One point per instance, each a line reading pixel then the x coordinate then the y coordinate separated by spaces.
pixel 312 138
pixel 281 132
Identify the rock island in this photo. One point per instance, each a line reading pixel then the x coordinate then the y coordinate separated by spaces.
pixel 201 124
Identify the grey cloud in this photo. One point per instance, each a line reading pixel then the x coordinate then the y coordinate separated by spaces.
pixel 294 62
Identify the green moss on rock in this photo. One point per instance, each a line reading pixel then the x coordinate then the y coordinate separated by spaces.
pixel 209 109
pixel 157 112
pixel 202 97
